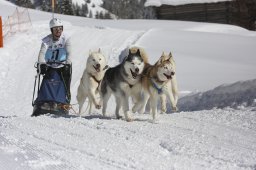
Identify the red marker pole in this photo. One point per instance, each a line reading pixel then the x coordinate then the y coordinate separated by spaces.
pixel 1 33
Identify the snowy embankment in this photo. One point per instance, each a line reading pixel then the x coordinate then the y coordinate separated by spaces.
pixel 207 55
pixel 237 95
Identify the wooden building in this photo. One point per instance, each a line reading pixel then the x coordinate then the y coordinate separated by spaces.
pixel 235 12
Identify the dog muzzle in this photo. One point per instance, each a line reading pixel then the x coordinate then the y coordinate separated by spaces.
pixel 97 67
pixel 169 76
pixel 134 75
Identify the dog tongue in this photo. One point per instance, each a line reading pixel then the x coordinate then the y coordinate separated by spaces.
pixel 168 76
pixel 97 68
pixel 134 75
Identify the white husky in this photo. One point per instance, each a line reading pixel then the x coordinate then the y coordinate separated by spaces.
pixel 91 80
pixel 156 82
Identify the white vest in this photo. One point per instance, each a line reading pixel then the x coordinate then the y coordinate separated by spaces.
pixel 55 50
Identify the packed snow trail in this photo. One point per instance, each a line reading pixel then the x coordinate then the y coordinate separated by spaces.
pixel 216 139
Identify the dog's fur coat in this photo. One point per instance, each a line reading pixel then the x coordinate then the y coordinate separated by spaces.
pixel 156 82
pixel 121 80
pixel 91 80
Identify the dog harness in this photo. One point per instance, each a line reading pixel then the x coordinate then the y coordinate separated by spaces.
pixel 159 90
pixel 98 81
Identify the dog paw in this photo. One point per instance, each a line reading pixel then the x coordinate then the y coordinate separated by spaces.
pixel 98 106
pixel 134 110
pixel 141 111
pixel 154 121
pixel 119 117
pixel 175 109
pixel 129 119
pixel 163 112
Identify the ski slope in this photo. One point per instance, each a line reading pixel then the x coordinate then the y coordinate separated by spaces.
pixel 207 55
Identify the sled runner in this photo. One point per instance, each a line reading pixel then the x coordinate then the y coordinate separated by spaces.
pixel 53 93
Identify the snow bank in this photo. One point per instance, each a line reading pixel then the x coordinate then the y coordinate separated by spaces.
pixel 236 95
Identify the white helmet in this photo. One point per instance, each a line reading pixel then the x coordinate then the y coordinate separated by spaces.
pixel 55 22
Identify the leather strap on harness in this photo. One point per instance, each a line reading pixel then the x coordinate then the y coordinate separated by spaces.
pixel 98 81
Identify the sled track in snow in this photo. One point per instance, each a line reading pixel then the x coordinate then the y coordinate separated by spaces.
pixel 31 155
pixel 30 138
pixel 50 142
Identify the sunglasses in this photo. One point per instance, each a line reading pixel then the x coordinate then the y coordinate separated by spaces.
pixel 57 28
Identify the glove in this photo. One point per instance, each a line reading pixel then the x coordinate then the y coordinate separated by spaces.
pixel 67 67
pixel 68 62
pixel 42 68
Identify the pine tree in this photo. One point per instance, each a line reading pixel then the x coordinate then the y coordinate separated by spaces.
pixel 84 10
pixel 107 16
pixel 66 7
pixel 129 9
pixel 101 15
pixel 77 9
pixel 97 15
pixel 58 8
pixel 24 3
pixel 45 6
pixel 90 14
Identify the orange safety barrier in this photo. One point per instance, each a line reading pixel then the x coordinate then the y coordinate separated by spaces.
pixel 1 34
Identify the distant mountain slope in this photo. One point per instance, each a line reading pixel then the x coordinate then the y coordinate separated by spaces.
pixel 236 95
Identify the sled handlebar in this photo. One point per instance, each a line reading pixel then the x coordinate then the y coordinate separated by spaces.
pixel 57 62
pixel 43 67
pixel 51 62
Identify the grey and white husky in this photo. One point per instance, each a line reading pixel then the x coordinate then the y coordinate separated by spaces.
pixel 121 80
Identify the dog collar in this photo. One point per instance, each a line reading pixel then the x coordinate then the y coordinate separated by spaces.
pixel 159 90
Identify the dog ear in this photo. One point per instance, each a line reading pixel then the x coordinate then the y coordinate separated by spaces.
pixel 170 54
pixel 99 50
pixel 90 52
pixel 162 58
pixel 106 67
pixel 130 52
pixel 138 52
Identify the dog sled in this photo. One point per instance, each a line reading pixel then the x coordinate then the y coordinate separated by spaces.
pixel 53 93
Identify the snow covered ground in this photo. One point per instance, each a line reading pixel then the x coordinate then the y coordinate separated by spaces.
pixel 207 55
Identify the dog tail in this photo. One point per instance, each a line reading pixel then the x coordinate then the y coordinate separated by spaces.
pixel 143 53
pixel 103 87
